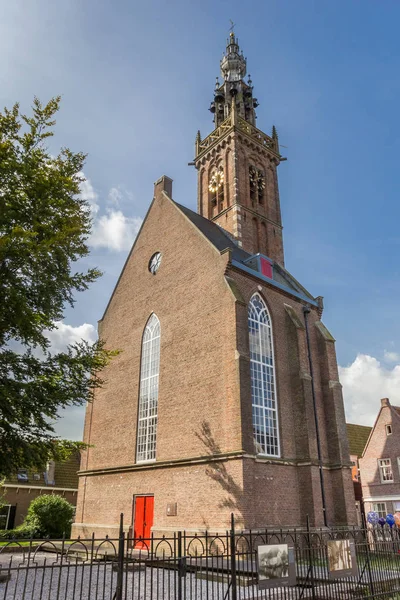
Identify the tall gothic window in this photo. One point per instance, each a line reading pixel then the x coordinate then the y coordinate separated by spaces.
pixel 262 370
pixel 148 395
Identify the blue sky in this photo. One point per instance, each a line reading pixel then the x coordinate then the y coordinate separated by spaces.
pixel 136 81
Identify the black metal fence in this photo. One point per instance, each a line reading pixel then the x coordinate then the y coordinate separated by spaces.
pixel 194 567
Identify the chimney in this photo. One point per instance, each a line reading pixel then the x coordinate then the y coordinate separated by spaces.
pixel 164 184
pixel 385 402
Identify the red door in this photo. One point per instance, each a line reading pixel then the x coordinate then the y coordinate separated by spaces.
pixel 144 509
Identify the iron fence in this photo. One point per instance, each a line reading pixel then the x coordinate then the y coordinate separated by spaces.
pixel 201 566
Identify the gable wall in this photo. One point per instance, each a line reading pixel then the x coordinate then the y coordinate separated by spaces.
pixel 381 446
pixel 195 308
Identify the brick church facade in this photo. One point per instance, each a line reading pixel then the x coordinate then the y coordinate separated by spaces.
pixel 225 396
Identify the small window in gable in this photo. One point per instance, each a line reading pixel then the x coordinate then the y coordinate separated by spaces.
pixel 388 429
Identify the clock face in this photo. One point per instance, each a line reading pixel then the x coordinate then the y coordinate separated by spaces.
pixel 216 180
pixel 155 262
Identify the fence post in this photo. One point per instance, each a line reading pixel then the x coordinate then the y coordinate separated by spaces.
pixel 233 558
pixel 120 563
pixel 311 557
pixel 181 566
pixel 365 530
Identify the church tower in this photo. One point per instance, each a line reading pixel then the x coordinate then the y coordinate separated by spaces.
pixel 237 164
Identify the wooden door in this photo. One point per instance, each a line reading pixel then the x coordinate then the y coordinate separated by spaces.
pixel 143 520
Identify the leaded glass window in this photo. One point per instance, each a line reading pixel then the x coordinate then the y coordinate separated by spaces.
pixel 262 370
pixel 148 395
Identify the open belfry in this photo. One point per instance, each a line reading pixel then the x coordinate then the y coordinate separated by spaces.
pixel 225 394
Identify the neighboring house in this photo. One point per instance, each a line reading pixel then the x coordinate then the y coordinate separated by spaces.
pixel 20 490
pixel 211 407
pixel 358 437
pixel 380 463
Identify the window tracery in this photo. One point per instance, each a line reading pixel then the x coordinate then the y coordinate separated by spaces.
pixel 262 371
pixel 148 394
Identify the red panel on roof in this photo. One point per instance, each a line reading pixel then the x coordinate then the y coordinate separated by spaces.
pixel 266 267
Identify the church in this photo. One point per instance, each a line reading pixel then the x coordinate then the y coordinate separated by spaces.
pixel 225 396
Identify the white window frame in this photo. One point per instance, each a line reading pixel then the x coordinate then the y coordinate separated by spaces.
pixel 146 444
pixel 385 468
pixel 376 507
pixel 263 379
pixel 398 463
pixel 387 427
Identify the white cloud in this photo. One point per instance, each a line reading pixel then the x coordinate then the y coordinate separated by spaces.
pixel 391 356
pixel 365 381
pixel 89 194
pixel 115 196
pixel 64 335
pixel 115 231
pixel 112 230
pixel 70 420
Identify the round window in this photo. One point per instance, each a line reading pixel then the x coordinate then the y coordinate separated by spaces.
pixel 155 262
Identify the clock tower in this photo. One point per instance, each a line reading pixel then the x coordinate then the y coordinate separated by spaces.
pixel 237 164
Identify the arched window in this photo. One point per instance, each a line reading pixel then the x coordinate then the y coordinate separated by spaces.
pixel 262 370
pixel 148 395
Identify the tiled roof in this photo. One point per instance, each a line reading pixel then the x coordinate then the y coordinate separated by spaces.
pixel 222 239
pixel 358 436
pixel 65 475
pixel 214 233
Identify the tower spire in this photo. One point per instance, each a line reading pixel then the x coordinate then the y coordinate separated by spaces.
pixel 233 71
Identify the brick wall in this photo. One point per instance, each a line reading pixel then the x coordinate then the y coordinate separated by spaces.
pixel 205 399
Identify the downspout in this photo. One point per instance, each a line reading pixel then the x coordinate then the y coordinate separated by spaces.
pixel 306 311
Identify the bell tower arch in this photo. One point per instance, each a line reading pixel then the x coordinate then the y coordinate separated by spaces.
pixel 237 164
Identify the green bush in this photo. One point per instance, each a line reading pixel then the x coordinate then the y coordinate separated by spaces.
pixel 21 532
pixel 50 515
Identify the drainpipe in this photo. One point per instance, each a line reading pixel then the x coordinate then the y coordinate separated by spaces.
pixel 306 311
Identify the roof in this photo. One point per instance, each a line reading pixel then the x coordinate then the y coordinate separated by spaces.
pixel 65 475
pixel 214 233
pixel 358 436
pixel 222 240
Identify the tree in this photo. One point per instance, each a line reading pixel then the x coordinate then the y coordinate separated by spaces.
pixel 44 226
pixel 49 514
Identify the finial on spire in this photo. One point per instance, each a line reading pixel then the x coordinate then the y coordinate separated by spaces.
pixel 231 27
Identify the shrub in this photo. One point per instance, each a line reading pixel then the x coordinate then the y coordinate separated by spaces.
pixel 21 532
pixel 50 515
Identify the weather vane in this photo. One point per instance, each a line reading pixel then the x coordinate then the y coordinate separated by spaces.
pixel 232 25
